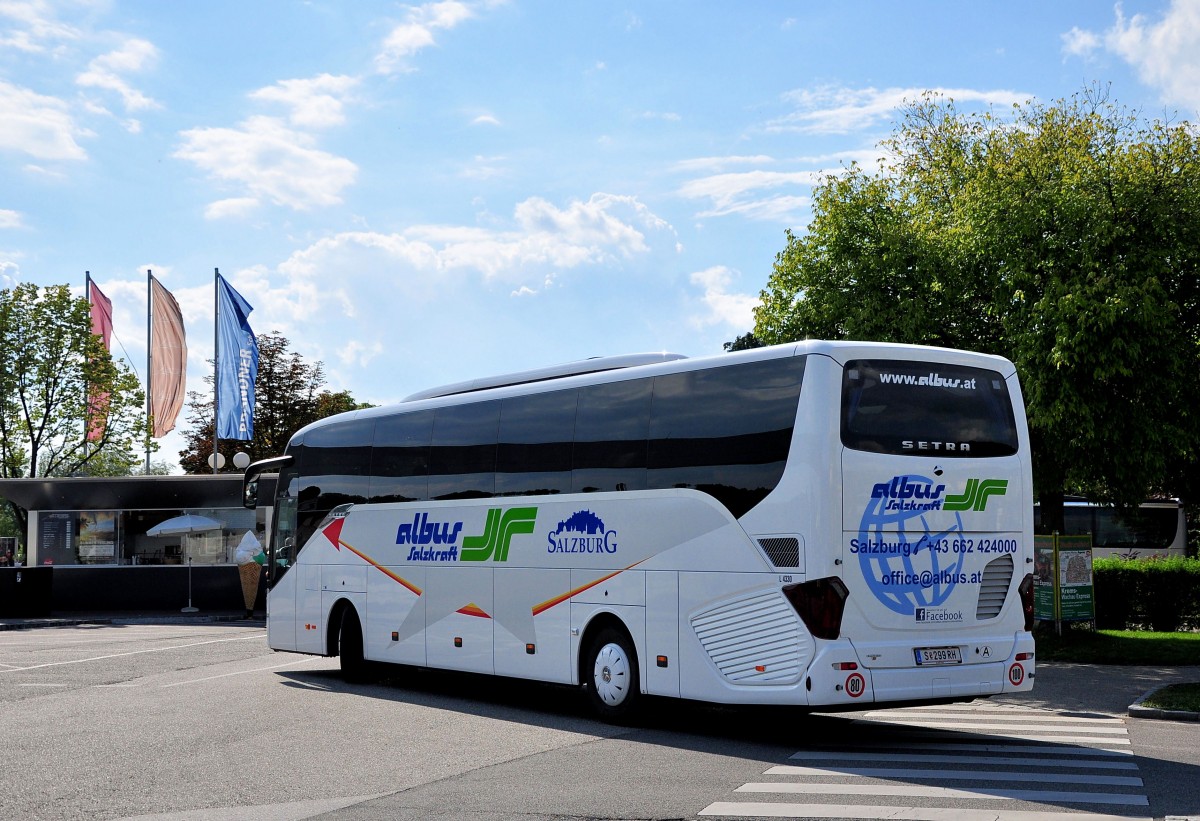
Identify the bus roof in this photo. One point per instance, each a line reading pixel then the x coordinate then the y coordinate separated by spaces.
pixel 592 365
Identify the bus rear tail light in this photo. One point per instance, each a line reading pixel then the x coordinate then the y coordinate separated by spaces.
pixel 820 604
pixel 1026 592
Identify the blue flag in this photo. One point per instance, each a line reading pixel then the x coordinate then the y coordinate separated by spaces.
pixel 237 360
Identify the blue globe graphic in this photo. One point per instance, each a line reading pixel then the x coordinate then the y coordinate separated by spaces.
pixel 925 577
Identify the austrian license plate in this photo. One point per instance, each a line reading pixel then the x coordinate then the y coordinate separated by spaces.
pixel 927 656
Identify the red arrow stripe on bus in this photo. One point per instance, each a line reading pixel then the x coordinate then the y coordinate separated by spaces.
pixel 546 605
pixel 412 587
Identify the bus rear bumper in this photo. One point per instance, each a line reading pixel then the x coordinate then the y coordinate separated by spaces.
pixel 962 681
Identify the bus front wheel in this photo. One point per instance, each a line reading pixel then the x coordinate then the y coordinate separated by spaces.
pixel 611 675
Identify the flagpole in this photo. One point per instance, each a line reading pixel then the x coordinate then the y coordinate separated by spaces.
pixel 87 413
pixel 149 367
pixel 216 362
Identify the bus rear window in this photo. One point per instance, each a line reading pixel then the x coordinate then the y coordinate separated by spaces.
pixel 926 409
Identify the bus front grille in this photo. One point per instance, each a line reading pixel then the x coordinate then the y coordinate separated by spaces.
pixel 997 577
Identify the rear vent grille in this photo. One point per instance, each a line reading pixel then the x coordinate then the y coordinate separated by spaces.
pixel 997 577
pixel 755 639
pixel 783 552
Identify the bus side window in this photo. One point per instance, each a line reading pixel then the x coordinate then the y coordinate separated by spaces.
pixel 400 458
pixel 726 431
pixel 462 460
pixel 610 437
pixel 534 453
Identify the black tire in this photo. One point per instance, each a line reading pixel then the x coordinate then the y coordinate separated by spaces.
pixel 610 676
pixel 350 647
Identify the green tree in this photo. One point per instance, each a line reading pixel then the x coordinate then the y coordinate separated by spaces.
pixel 50 363
pixel 743 343
pixel 288 394
pixel 1065 237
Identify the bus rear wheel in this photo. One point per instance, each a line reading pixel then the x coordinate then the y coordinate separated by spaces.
pixel 350 647
pixel 611 676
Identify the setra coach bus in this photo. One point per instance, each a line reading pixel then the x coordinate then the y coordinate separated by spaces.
pixel 820 524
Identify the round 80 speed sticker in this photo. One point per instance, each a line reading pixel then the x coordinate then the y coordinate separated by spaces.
pixel 856 685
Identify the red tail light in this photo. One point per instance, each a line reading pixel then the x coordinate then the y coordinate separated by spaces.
pixel 820 604
pixel 1026 592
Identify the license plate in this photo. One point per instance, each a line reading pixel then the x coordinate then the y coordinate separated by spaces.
pixel 927 656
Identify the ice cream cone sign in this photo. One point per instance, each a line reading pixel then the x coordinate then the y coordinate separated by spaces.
pixel 249 558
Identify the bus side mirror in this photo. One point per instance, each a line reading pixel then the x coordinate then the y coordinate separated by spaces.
pixel 250 494
pixel 253 471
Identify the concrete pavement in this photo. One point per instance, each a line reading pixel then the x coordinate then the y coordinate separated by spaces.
pixel 1058 686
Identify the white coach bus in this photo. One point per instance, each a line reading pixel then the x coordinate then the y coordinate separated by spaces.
pixel 822 524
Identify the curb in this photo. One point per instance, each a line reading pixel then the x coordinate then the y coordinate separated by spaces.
pixel 1136 710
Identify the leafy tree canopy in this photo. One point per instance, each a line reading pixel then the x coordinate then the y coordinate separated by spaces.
pixel 288 394
pixel 50 364
pixel 1064 236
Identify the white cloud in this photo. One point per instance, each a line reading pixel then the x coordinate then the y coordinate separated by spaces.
pixel 36 29
pixel 540 240
pixel 485 119
pixel 106 72
pixel 724 308
pixel 11 219
pixel 232 207
pixel 721 163
pixel 484 168
pixel 316 102
pixel 1080 43
pixel 271 162
pixel 10 273
pixel 37 125
pixel 356 353
pixel 1165 54
pixel 743 193
pixel 417 33
pixel 840 110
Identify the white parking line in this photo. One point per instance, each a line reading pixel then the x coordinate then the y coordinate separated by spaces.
pixel 258 636
pixel 243 672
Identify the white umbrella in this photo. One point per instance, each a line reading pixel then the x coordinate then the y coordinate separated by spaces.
pixel 187 523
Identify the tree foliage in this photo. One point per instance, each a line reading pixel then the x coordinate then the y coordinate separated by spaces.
pixel 1064 236
pixel 50 363
pixel 289 394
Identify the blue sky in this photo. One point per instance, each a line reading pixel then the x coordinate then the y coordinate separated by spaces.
pixel 423 194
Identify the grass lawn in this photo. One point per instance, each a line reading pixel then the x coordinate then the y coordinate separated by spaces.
pixel 1119 647
pixel 1176 697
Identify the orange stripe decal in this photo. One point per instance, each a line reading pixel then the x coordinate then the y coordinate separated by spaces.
pixel 403 582
pixel 546 605
pixel 473 609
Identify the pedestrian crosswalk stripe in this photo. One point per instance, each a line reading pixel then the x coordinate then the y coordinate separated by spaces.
pixel 1045 749
pixel 990 715
pixel 937 755
pixel 1073 739
pixel 918 758
pixel 762 809
pixel 959 775
pixel 914 721
pixel 921 791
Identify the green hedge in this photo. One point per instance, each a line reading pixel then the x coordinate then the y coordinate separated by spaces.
pixel 1162 594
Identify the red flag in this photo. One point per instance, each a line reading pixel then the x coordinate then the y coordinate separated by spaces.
pixel 168 359
pixel 101 327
